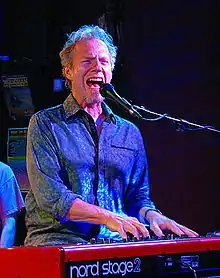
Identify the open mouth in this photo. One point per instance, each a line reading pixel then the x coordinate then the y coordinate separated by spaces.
pixel 94 82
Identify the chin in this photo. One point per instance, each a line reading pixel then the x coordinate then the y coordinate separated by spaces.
pixel 94 98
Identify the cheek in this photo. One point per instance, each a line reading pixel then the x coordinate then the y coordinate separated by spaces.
pixel 109 76
pixel 78 75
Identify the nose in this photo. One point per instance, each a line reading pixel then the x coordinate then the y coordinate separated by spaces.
pixel 97 65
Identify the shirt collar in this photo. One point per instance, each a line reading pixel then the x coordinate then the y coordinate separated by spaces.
pixel 71 107
pixel 110 117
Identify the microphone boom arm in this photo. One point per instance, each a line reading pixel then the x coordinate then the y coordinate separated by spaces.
pixel 180 122
pixel 107 90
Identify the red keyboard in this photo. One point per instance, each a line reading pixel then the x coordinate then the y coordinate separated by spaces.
pixel 152 258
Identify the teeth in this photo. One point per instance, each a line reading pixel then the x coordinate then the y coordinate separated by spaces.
pixel 98 79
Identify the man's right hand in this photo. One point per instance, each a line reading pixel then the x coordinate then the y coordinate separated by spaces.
pixel 122 224
pixel 125 224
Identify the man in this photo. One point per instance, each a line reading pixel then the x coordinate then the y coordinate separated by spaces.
pixel 11 202
pixel 87 167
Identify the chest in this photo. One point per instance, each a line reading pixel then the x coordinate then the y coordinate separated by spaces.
pixel 81 148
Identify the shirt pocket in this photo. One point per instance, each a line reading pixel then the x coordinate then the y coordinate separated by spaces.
pixel 122 158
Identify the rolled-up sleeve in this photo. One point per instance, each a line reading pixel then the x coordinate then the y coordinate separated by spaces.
pixel 45 170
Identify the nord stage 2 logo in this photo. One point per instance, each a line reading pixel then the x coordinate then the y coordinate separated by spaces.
pixel 104 268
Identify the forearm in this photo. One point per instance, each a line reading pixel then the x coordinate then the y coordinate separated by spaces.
pixel 8 233
pixel 82 211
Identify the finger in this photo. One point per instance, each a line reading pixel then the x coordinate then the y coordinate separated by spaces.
pixel 122 232
pixel 132 230
pixel 141 228
pixel 143 231
pixel 180 229
pixel 172 226
pixel 156 229
pixel 188 231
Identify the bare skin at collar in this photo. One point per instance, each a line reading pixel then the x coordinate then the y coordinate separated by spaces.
pixel 94 110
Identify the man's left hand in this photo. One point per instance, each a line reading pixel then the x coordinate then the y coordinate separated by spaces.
pixel 160 223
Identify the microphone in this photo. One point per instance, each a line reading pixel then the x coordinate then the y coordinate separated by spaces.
pixel 107 90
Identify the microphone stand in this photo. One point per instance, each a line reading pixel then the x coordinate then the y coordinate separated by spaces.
pixel 181 123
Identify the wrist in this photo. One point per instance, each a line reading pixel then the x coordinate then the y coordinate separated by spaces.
pixel 151 211
pixel 105 216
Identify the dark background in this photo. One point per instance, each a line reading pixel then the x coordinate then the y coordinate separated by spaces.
pixel 168 62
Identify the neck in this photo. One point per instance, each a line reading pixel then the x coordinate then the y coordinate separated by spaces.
pixel 94 110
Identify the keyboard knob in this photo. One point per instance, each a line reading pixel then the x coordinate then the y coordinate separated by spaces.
pixel 92 240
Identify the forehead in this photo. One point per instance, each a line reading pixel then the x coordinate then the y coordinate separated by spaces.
pixel 91 47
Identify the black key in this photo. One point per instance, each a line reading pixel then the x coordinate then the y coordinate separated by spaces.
pixel 108 240
pixel 101 241
pixel 184 236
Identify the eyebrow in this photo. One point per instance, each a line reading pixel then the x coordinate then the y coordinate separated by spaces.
pixel 93 57
pixel 88 57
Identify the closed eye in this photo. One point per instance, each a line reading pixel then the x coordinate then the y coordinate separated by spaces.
pixel 86 62
pixel 104 62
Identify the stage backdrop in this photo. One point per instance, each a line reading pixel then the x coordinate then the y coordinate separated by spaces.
pixel 169 62
pixel 169 53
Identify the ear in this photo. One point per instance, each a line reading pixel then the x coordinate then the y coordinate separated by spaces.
pixel 68 73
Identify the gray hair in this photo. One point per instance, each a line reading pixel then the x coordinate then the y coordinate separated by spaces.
pixel 86 32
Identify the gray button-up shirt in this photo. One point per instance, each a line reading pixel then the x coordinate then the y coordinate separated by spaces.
pixel 67 159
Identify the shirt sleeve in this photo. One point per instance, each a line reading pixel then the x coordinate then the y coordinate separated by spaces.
pixel 138 193
pixel 11 200
pixel 45 170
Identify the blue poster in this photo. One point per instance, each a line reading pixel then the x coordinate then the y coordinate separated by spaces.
pixel 17 95
pixel 17 141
